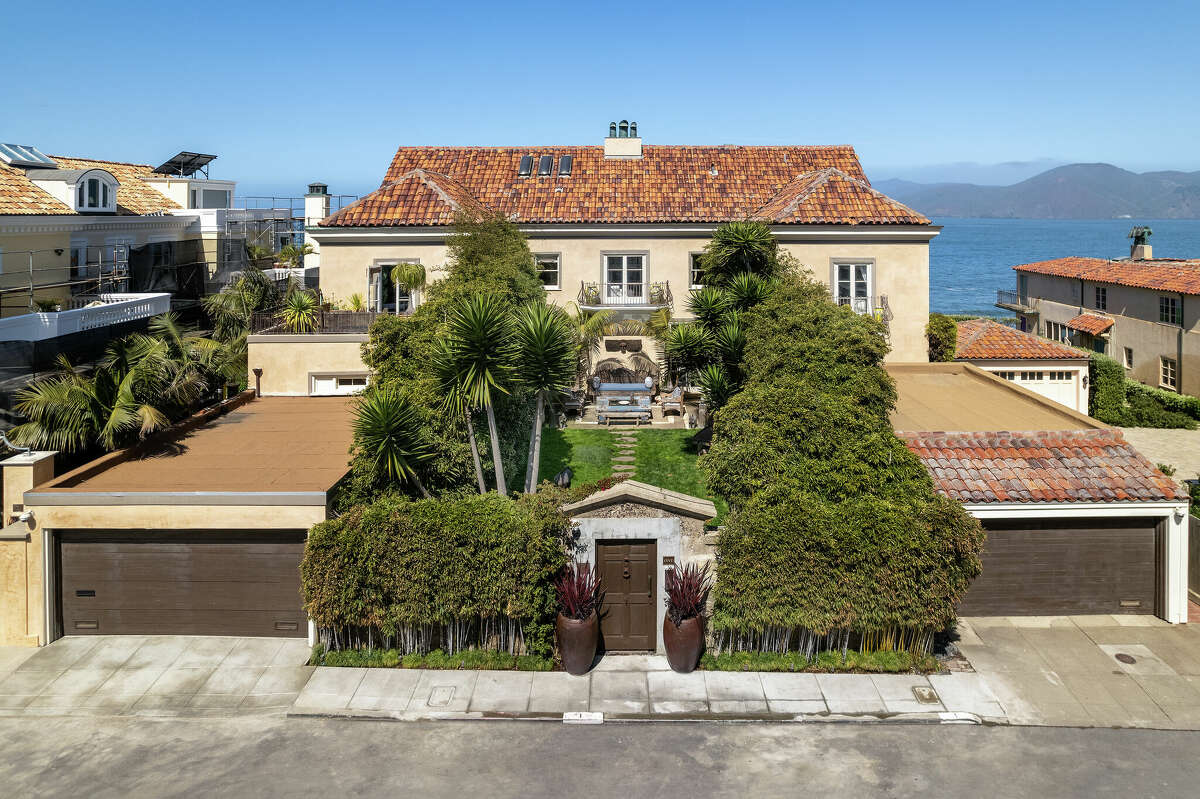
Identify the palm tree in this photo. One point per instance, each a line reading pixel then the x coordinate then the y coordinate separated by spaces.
pixel 409 276
pixel 738 247
pixel 709 305
pixel 232 309
pixel 748 289
pixel 480 348
pixel 387 427
pixel 71 412
pixel 590 328
pixel 446 375
pixel 730 342
pixel 715 385
pixel 194 361
pixel 293 255
pixel 547 357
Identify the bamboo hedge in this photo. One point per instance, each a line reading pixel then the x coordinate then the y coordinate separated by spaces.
pixel 454 574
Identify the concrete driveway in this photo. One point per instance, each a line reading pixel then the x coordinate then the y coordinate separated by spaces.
pixel 1089 671
pixel 153 676
pixel 1178 448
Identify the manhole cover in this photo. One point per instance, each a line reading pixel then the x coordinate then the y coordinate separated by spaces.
pixel 925 694
pixel 1121 656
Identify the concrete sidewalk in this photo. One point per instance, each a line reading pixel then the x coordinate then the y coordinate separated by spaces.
pixel 644 687
pixel 131 675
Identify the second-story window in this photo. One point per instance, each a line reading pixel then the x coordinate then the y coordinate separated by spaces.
pixel 852 286
pixel 1101 298
pixel 1168 310
pixel 549 270
pixel 1057 331
pixel 695 270
pixel 625 277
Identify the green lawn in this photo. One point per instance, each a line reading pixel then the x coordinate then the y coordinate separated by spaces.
pixel 588 453
pixel 664 460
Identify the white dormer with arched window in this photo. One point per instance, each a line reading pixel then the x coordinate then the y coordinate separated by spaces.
pixel 88 191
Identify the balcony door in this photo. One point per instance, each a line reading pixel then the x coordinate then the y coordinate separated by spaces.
pixel 624 279
pixel 853 286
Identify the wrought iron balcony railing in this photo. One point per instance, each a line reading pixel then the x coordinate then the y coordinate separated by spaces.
pixel 625 295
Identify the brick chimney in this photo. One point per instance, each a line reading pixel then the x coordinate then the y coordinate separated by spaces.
pixel 622 140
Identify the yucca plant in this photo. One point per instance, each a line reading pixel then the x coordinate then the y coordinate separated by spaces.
pixel 709 305
pixel 546 357
pixel 688 346
pixel 738 247
pixel 355 302
pixel 748 289
pixel 387 428
pixel 687 590
pixel 578 591
pixel 480 348
pixel 300 311
pixel 445 372
pixel 715 385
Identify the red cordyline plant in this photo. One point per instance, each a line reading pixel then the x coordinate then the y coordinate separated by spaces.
pixel 578 591
pixel 687 592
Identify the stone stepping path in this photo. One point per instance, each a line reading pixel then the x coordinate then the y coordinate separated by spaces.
pixel 623 458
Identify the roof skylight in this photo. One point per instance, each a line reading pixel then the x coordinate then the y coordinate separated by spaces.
pixel 24 155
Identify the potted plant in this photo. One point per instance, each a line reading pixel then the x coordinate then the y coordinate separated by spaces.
pixel 578 624
pixel 683 628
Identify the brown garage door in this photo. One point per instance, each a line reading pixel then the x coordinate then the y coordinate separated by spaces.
pixel 181 583
pixel 1050 567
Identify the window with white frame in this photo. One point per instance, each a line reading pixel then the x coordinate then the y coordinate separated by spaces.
pixel 1168 373
pixel 852 285
pixel 1006 375
pixel 1031 377
pixel 1128 357
pixel 695 270
pixel 549 269
pixel 382 290
pixel 95 193
pixel 1168 310
pixel 1059 377
pixel 625 277
pixel 1101 298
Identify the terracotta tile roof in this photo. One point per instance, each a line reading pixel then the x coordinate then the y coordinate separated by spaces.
pixel 1061 466
pixel 429 198
pixel 988 340
pixel 831 197
pixel 1162 274
pixel 19 195
pixel 1090 323
pixel 667 184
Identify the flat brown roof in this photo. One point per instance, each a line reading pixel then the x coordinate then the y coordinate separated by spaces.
pixel 962 398
pixel 268 445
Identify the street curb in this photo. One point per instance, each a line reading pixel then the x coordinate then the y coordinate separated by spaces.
pixel 778 718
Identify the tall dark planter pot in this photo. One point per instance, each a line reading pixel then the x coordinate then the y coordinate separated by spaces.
pixel 577 642
pixel 683 643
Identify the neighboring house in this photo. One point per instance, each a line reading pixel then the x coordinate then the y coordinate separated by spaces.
pixel 620 226
pixel 73 228
pixel 225 517
pixel 1142 311
pixel 1078 522
pixel 1054 370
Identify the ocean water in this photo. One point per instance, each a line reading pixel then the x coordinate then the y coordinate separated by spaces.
pixel 972 258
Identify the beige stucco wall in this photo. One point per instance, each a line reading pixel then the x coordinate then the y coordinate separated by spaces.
pixel 22 591
pixel 288 362
pixel 49 267
pixel 901 271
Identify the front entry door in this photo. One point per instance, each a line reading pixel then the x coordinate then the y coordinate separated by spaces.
pixel 628 578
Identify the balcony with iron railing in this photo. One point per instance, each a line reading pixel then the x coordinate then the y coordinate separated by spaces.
pixel 650 296
pixel 324 322
pixel 876 307
pixel 1015 301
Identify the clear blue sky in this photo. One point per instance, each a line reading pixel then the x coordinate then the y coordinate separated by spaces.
pixel 286 93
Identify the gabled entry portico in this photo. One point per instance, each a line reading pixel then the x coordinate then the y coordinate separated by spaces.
pixel 631 534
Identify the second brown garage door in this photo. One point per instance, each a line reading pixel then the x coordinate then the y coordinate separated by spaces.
pixel 181 583
pixel 1051 567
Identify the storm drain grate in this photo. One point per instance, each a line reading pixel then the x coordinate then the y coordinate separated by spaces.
pixel 925 694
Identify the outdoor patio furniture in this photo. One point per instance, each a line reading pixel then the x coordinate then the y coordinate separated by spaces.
pixel 673 402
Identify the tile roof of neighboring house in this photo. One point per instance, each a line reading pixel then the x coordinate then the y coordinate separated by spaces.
pixel 1061 466
pixel 1162 274
pixel 428 198
pixel 1090 323
pixel 19 195
pixel 988 340
pixel 813 185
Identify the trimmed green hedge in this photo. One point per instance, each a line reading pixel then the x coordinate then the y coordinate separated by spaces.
pixel 1117 400
pixel 942 333
pixel 823 663
pixel 469 659
pixel 454 574
pixel 1106 398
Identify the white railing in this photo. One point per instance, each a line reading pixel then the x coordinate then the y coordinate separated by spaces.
pixel 102 310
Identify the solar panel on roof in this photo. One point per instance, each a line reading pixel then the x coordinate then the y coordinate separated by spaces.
pixel 24 155
pixel 545 165
pixel 526 166
pixel 186 164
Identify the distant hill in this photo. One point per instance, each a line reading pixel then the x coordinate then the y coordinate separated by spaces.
pixel 1075 191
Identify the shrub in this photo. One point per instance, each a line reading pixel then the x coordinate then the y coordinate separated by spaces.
pixel 457 573
pixel 942 332
pixel 1169 400
pixel 1106 395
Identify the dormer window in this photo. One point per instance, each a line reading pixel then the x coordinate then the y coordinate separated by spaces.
pixel 94 192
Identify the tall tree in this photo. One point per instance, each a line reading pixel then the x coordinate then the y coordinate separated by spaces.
pixel 480 346
pixel 546 360
pixel 455 401
pixel 738 247
pixel 387 429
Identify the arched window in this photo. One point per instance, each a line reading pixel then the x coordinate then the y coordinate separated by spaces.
pixel 96 191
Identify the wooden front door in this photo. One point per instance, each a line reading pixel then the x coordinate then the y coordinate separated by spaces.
pixel 628 577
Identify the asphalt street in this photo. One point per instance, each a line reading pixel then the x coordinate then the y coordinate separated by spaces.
pixel 268 756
